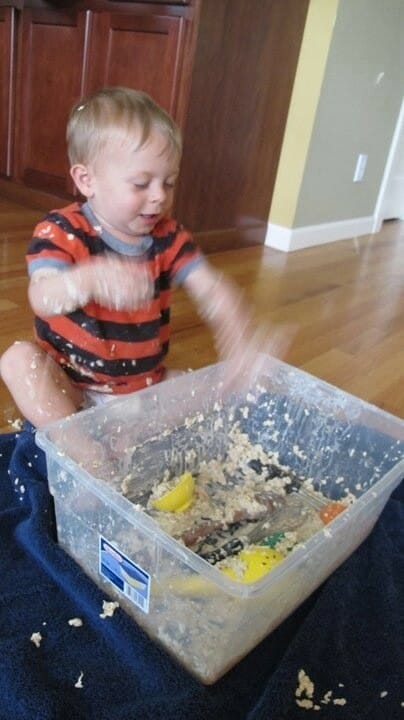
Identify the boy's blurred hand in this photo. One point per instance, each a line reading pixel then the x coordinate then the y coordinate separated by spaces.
pixel 253 343
pixel 119 284
pixel 239 339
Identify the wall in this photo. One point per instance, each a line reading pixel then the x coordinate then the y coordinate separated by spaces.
pixel 358 107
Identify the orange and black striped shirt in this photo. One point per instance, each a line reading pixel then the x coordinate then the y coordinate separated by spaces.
pixel 100 349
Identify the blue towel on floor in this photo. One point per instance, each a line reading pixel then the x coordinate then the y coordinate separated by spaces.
pixel 346 639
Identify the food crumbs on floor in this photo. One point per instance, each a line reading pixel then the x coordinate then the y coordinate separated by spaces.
pixel 327 697
pixel 79 683
pixel 17 424
pixel 36 638
pixel 306 704
pixel 75 622
pixel 108 608
pixel 305 688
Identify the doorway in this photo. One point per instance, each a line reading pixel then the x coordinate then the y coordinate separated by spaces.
pixel 390 203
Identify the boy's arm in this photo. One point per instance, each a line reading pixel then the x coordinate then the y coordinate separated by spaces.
pixel 118 284
pixel 56 292
pixel 221 304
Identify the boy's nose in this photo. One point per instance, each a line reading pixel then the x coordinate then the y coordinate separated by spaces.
pixel 157 194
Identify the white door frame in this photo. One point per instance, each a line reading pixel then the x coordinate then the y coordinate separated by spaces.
pixel 378 214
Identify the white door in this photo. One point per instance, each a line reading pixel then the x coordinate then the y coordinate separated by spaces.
pixel 390 203
pixel 393 203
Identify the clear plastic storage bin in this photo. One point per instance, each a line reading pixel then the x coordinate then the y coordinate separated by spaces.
pixel 205 619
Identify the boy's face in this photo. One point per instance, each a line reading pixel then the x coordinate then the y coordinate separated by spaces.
pixel 131 190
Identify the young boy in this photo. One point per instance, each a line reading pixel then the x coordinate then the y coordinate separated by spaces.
pixel 101 270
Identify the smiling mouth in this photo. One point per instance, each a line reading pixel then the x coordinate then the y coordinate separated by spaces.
pixel 150 216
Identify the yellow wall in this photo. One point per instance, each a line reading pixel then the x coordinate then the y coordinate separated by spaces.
pixel 302 111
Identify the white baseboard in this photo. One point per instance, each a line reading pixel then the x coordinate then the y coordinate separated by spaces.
pixel 289 239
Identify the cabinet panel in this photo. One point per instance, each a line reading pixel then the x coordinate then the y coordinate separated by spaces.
pixel 244 67
pixel 139 51
pixel 7 65
pixel 223 71
pixel 51 67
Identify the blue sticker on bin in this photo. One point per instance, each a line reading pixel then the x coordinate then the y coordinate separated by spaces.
pixel 128 577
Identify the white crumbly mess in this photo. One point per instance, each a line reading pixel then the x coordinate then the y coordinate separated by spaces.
pixel 194 419
pixel 299 453
pixel 218 424
pixel 307 704
pixel 36 638
pixel 126 484
pixel 305 694
pixel 287 542
pixel 108 608
pixel 305 686
pixel 79 683
pixel 161 488
pixel 231 489
pixel 17 424
pixel 327 697
pixel 222 506
pixel 235 564
pixel 349 497
pixel 75 622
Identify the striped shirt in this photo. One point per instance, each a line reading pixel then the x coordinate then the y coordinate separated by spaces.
pixel 106 350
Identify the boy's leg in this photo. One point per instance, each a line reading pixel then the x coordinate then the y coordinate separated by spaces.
pixel 40 388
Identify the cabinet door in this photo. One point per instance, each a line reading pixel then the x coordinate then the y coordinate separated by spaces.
pixel 137 50
pixel 52 61
pixel 7 64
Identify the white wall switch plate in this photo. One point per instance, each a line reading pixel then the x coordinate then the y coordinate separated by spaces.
pixel 360 168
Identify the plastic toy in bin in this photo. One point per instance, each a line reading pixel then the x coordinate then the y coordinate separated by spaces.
pixel 252 564
pixel 178 498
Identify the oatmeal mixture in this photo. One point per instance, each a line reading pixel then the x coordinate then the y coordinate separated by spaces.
pixel 245 500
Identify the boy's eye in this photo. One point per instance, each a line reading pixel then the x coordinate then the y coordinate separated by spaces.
pixel 141 186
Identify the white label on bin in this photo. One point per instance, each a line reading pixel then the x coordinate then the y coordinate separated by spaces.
pixel 129 578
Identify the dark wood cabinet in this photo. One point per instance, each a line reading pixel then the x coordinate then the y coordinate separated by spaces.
pixel 7 81
pixel 65 53
pixel 141 51
pixel 223 68
pixel 244 66
pixel 50 78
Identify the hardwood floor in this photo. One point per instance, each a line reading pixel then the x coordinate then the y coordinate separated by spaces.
pixel 344 300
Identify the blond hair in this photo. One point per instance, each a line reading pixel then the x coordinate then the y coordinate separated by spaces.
pixel 113 111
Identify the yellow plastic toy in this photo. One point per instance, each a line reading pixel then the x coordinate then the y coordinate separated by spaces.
pixel 258 561
pixel 179 497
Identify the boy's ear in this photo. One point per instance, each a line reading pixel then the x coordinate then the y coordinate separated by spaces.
pixel 82 178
